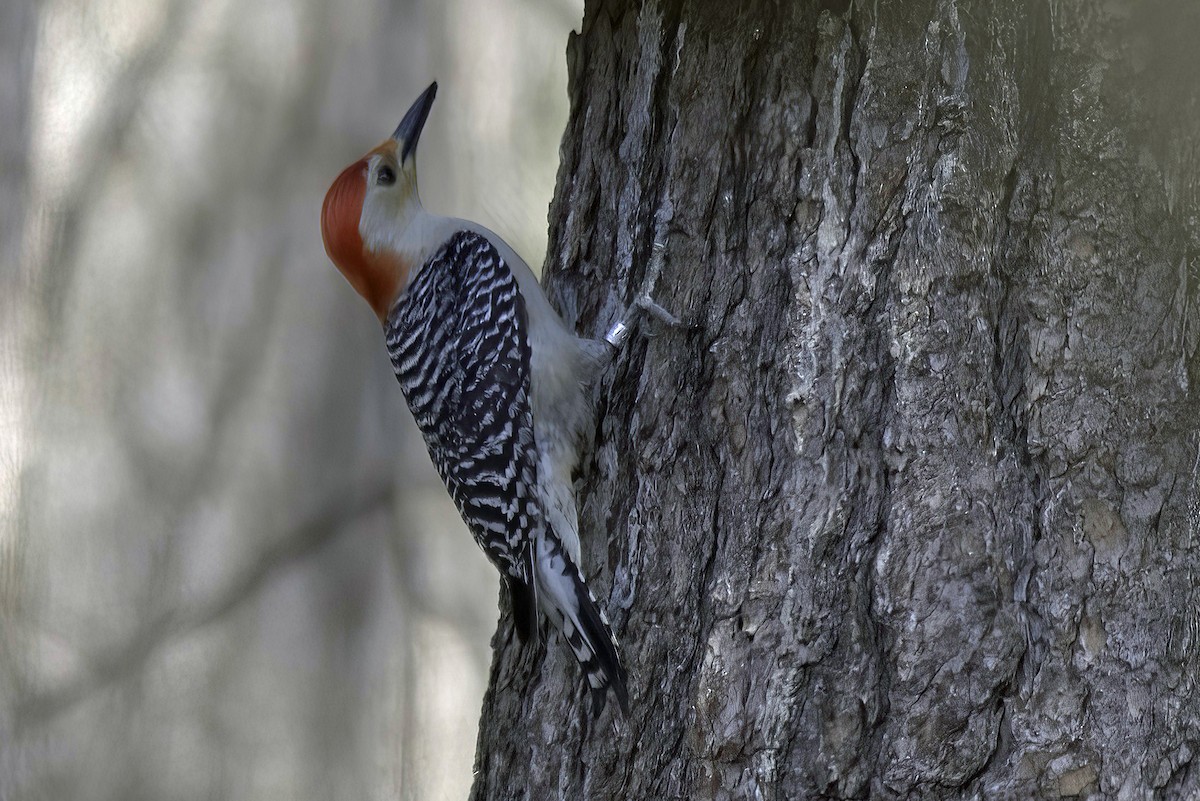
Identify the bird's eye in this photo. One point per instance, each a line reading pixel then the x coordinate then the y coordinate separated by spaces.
pixel 386 176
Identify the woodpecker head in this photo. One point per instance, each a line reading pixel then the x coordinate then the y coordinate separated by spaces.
pixel 369 208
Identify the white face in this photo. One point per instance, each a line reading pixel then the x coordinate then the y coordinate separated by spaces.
pixel 369 220
pixel 390 202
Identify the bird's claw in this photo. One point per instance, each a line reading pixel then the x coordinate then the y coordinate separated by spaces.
pixel 644 303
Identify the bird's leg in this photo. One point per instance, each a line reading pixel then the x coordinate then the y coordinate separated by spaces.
pixel 644 302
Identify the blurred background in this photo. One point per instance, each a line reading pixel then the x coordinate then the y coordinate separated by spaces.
pixel 227 568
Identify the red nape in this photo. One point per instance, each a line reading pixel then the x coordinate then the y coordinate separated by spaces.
pixel 339 217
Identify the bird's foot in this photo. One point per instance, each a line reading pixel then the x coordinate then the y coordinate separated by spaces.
pixel 644 302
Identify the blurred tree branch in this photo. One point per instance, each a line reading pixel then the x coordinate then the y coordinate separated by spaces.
pixel 185 399
pixel 130 657
pixel 126 93
pixel 18 22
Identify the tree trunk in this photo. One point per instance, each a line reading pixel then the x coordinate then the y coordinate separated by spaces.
pixel 913 510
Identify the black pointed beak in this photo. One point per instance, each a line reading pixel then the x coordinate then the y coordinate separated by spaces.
pixel 409 130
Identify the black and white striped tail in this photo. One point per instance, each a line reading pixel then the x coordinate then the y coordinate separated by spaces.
pixel 592 641
pixel 584 624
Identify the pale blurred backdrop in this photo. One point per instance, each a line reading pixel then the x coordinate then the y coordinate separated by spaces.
pixel 227 568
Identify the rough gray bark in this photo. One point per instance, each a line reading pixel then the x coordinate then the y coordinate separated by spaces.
pixel 912 512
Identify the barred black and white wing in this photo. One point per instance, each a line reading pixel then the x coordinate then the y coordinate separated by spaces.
pixel 458 340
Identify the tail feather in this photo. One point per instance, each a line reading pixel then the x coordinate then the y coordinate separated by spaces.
pixel 523 593
pixel 524 607
pixel 567 600
pixel 592 642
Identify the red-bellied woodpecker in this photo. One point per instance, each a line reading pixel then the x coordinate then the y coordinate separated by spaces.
pixel 498 384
